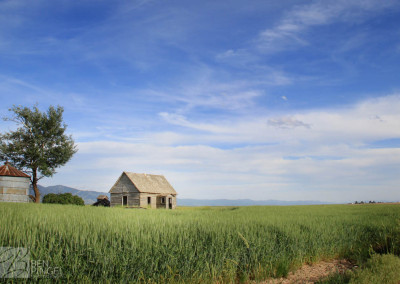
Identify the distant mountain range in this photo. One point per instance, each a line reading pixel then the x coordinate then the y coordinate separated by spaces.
pixel 91 196
pixel 244 202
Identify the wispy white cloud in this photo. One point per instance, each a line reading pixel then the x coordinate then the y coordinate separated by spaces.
pixel 358 124
pixel 259 73
pixel 296 29
pixel 7 81
pixel 289 32
pixel 180 120
pixel 207 88
pixel 23 91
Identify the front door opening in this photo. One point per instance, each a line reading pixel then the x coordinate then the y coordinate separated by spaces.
pixel 149 200
pixel 124 200
pixel 170 203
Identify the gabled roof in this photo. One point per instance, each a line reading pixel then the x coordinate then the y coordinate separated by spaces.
pixel 100 197
pixel 150 183
pixel 10 171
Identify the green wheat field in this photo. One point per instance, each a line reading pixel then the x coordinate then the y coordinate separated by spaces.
pixel 196 245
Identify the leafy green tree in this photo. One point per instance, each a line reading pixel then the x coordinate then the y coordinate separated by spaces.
pixel 39 145
pixel 63 198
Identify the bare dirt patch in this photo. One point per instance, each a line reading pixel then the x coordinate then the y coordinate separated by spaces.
pixel 313 273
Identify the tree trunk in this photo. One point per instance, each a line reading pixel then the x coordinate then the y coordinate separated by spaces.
pixel 34 185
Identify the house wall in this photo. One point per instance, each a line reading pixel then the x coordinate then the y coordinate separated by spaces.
pixel 159 204
pixel 143 200
pixel 117 199
pixel 14 189
pixel 166 205
pixel 136 199
pixel 124 187
pixel 173 202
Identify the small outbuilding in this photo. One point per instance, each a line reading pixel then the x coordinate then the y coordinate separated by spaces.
pixel 102 200
pixel 14 184
pixel 143 191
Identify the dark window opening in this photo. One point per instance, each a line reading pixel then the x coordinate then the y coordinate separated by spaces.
pixel 148 200
pixel 125 200
pixel 162 200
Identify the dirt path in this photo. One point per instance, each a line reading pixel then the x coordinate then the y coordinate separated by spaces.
pixel 312 273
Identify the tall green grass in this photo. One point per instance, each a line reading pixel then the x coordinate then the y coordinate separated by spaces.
pixel 379 269
pixel 200 245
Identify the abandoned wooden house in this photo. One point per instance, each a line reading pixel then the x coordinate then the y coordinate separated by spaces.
pixel 143 191
pixel 14 184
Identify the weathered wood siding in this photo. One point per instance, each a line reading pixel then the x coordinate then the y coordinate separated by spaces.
pixel 166 204
pixel 137 199
pixel 117 199
pixel 161 205
pixel 173 201
pixel 174 204
pixel 143 200
pixel 124 187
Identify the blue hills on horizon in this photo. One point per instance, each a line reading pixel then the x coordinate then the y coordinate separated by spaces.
pixel 245 202
pixel 91 196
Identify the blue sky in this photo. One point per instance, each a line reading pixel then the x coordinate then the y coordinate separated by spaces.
pixel 290 100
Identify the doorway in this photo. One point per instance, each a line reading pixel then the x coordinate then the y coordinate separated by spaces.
pixel 170 203
pixel 124 200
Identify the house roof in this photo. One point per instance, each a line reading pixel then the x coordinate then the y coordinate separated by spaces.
pixel 102 197
pixel 150 183
pixel 10 171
